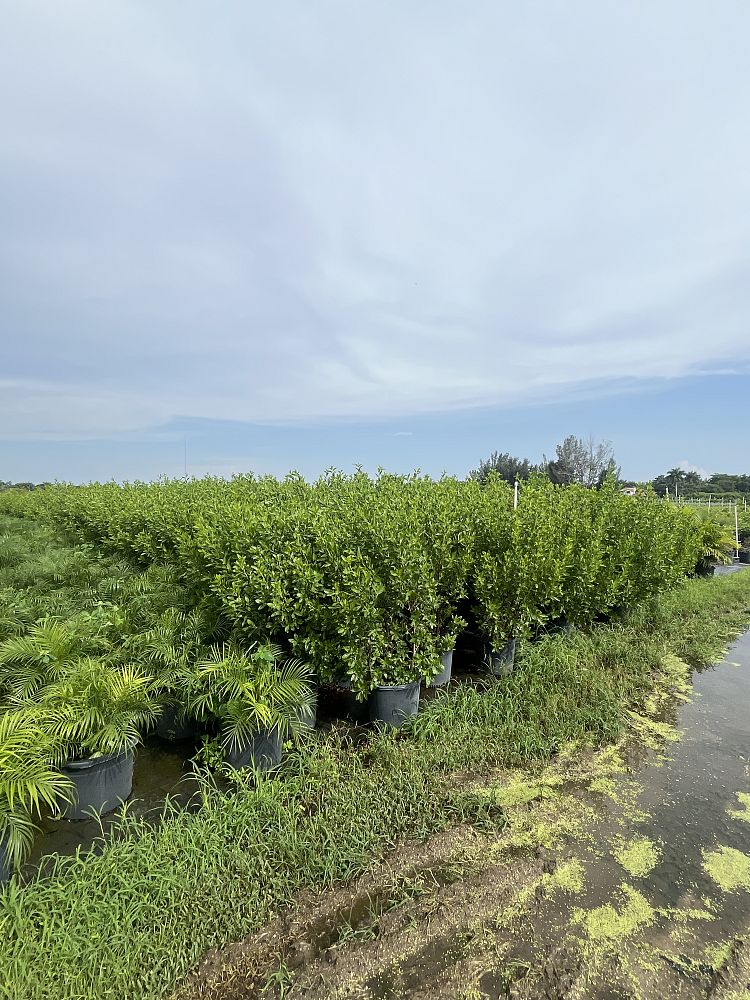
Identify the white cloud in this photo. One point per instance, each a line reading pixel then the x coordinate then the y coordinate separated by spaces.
pixel 688 466
pixel 364 212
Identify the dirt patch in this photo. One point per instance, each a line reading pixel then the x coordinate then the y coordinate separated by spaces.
pixel 316 924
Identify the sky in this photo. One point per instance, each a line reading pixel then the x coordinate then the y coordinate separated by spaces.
pixel 262 237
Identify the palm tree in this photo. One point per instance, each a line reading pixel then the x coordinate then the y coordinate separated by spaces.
pixel 170 649
pixel 676 477
pixel 97 708
pixel 44 654
pixel 252 692
pixel 29 780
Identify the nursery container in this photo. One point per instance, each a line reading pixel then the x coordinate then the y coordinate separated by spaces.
pixel 309 716
pixel 502 661
pixel 100 784
pixel 174 726
pixel 262 750
pixel 446 661
pixel 6 868
pixel 394 703
pixel 346 704
pixel 745 556
pixel 470 652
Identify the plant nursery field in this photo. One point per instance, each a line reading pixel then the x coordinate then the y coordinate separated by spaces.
pixel 515 785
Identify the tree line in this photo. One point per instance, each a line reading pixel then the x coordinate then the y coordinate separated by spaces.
pixel 692 484
pixel 577 460
pixel 589 463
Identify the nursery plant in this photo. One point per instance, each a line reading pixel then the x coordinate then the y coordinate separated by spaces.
pixel 30 780
pixel 368 579
pixel 170 649
pixel 96 708
pixel 46 652
pixel 252 690
pixel 717 544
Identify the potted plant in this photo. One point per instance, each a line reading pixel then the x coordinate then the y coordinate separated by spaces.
pixel 98 712
pixel 496 580
pixel 716 546
pixel 170 649
pixel 448 532
pixel 29 780
pixel 45 652
pixel 256 697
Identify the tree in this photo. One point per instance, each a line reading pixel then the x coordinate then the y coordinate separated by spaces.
pixel 582 461
pixel 507 466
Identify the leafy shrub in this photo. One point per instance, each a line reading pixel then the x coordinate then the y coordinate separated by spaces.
pixel 370 579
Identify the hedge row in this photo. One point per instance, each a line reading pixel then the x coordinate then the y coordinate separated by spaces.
pixel 372 578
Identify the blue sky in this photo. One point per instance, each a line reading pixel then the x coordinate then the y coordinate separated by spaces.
pixel 304 235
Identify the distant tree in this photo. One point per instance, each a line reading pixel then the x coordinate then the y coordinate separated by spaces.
pixel 20 486
pixel 669 482
pixel 691 484
pixel 507 466
pixel 582 461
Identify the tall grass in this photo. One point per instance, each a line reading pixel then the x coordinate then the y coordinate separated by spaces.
pixel 131 920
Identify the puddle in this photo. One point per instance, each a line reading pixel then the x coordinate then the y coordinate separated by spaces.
pixel 691 796
pixel 161 769
pixel 650 914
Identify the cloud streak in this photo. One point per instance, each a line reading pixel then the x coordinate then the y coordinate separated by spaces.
pixel 357 213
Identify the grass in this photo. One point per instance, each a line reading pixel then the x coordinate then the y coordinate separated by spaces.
pixel 134 918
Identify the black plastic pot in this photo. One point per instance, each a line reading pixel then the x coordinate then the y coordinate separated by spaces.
pixel 445 674
pixel 394 703
pixel 263 751
pixel 6 868
pixel 502 661
pixel 347 704
pixel 745 556
pixel 309 717
pixel 100 784
pixel 174 726
pixel 470 652
pixel 559 626
pixel 705 570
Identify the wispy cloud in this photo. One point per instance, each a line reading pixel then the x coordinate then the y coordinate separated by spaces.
pixel 688 466
pixel 366 212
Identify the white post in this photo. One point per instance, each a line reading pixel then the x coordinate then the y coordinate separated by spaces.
pixel 736 532
pixel 515 496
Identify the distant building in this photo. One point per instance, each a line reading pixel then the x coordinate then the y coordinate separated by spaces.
pixel 629 491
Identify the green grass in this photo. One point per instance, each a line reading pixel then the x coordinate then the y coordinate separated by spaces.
pixel 132 920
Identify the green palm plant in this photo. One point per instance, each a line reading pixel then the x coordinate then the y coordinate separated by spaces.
pixel 96 708
pixel 248 690
pixel 717 543
pixel 17 613
pixel 46 651
pixel 170 649
pixel 11 551
pixel 29 780
pixel 27 662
